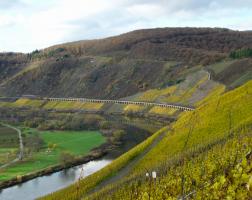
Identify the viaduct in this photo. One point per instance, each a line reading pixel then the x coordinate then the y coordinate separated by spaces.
pixel 164 105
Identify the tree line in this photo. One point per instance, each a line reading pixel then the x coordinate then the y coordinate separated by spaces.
pixel 241 53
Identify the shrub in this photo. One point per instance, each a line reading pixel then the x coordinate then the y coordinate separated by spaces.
pixel 66 157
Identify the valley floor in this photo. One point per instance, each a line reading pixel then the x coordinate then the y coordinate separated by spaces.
pixel 53 148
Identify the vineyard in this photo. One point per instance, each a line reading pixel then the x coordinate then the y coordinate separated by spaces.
pixel 152 114
pixel 189 92
pixel 79 189
pixel 8 144
pixel 219 172
pixel 205 153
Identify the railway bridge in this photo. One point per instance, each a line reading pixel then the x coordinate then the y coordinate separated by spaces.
pixel 144 103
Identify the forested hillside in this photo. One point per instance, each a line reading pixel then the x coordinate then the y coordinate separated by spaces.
pixel 124 65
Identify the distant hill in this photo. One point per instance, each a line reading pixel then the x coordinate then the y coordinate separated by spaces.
pixel 124 65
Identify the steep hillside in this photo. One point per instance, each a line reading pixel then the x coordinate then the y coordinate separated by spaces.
pixel 232 73
pixel 189 92
pixel 205 153
pixel 123 65
pixel 11 64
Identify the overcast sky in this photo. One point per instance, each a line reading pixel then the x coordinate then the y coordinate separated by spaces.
pixel 26 25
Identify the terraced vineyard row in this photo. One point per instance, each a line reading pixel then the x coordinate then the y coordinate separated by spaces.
pixel 214 138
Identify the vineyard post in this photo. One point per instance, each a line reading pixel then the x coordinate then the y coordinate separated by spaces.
pixel 148 177
pixel 230 122
pixel 79 180
pixel 154 176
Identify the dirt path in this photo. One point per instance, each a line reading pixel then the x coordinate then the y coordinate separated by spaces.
pixel 126 170
pixel 21 146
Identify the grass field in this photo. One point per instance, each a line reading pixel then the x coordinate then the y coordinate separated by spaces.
pixel 78 143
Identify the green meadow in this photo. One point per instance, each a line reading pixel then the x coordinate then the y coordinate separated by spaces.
pixel 75 143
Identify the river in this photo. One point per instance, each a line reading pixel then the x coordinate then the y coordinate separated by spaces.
pixel 43 185
pixel 46 184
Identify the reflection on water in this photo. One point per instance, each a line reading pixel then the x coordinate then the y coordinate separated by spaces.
pixel 46 184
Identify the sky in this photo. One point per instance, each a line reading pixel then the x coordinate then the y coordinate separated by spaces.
pixel 26 25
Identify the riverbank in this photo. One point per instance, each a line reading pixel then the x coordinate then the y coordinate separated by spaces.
pixel 93 155
pixel 126 142
pixel 114 147
pixel 50 151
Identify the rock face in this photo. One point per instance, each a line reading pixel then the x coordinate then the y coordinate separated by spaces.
pixel 118 66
